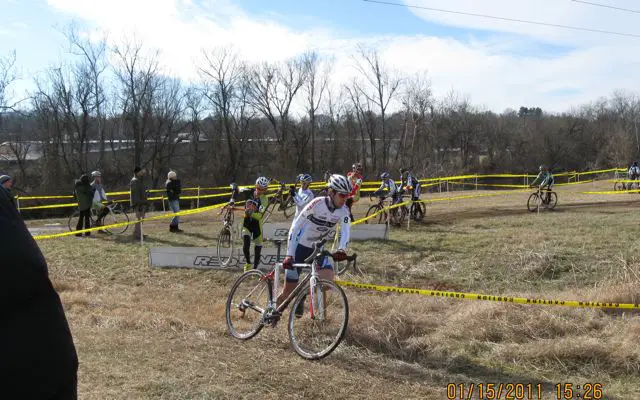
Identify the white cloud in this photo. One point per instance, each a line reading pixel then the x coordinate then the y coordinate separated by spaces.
pixel 564 12
pixel 505 70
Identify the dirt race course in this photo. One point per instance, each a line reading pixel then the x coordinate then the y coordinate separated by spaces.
pixel 145 333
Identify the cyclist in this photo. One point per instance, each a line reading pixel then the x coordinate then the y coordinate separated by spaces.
pixel 99 196
pixel 316 222
pixel 355 177
pixel 546 182
pixel 388 188
pixel 410 183
pixel 633 173
pixel 256 202
pixel 304 194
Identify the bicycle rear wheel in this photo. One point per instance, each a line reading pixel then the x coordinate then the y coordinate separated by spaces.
pixel 323 324
pixel 226 245
pixel 533 202
pixel 246 304
pixel 268 211
pixel 289 208
pixel 418 210
pixel 116 217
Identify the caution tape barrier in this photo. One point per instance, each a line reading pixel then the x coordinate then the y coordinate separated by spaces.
pixel 131 222
pixel 485 297
pixel 318 185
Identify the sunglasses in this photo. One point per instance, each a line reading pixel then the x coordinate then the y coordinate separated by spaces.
pixel 342 195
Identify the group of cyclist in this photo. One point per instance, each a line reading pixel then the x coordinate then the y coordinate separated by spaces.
pixel 316 217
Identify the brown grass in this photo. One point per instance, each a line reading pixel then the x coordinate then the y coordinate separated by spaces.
pixel 147 333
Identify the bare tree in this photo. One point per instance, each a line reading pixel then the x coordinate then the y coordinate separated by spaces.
pixel 366 122
pixel 317 73
pixel 64 104
pixel 224 77
pixel 137 75
pixel 166 110
pixel 417 100
pixel 95 64
pixel 272 91
pixel 382 86
pixel 8 76
pixel 194 108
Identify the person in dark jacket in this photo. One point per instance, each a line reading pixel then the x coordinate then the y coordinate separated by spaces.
pixel 6 182
pixel 174 188
pixel 138 198
pixel 38 358
pixel 84 197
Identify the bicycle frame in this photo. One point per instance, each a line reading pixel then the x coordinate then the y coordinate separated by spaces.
pixel 311 277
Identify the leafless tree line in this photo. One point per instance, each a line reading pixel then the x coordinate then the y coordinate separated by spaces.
pixel 114 107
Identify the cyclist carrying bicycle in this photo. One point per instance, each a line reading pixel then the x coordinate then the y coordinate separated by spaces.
pixel 317 221
pixel 99 196
pixel 546 182
pixel 410 183
pixel 304 194
pixel 355 177
pixel 256 202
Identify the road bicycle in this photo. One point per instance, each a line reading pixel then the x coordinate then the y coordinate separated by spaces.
pixel 380 207
pixel 319 308
pixel 542 197
pixel 283 200
pixel 396 215
pixel 115 215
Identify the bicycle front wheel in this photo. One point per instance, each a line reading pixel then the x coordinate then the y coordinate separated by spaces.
pixel 322 324
pixel 553 200
pixel 116 217
pixel 246 304
pixel 533 202
pixel 73 220
pixel 381 218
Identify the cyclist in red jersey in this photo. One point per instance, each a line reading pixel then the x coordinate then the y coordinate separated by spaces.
pixel 355 177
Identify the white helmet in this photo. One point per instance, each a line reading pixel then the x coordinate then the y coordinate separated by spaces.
pixel 262 182
pixel 171 175
pixel 340 184
pixel 305 178
pixel 95 174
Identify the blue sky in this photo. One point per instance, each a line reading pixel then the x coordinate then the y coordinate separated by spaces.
pixel 495 64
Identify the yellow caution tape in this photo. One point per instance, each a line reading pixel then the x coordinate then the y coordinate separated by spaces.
pixel 485 297
pixel 130 222
pixel 49 206
pixel 43 197
pixel 614 192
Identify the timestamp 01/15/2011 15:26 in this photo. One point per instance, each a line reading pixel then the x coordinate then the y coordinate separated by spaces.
pixel 523 391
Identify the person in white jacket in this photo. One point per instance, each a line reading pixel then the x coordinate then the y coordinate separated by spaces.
pixel 99 196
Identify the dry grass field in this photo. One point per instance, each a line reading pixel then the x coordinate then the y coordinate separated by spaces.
pixel 144 333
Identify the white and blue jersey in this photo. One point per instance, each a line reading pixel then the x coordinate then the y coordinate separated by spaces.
pixel 302 198
pixel 317 221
